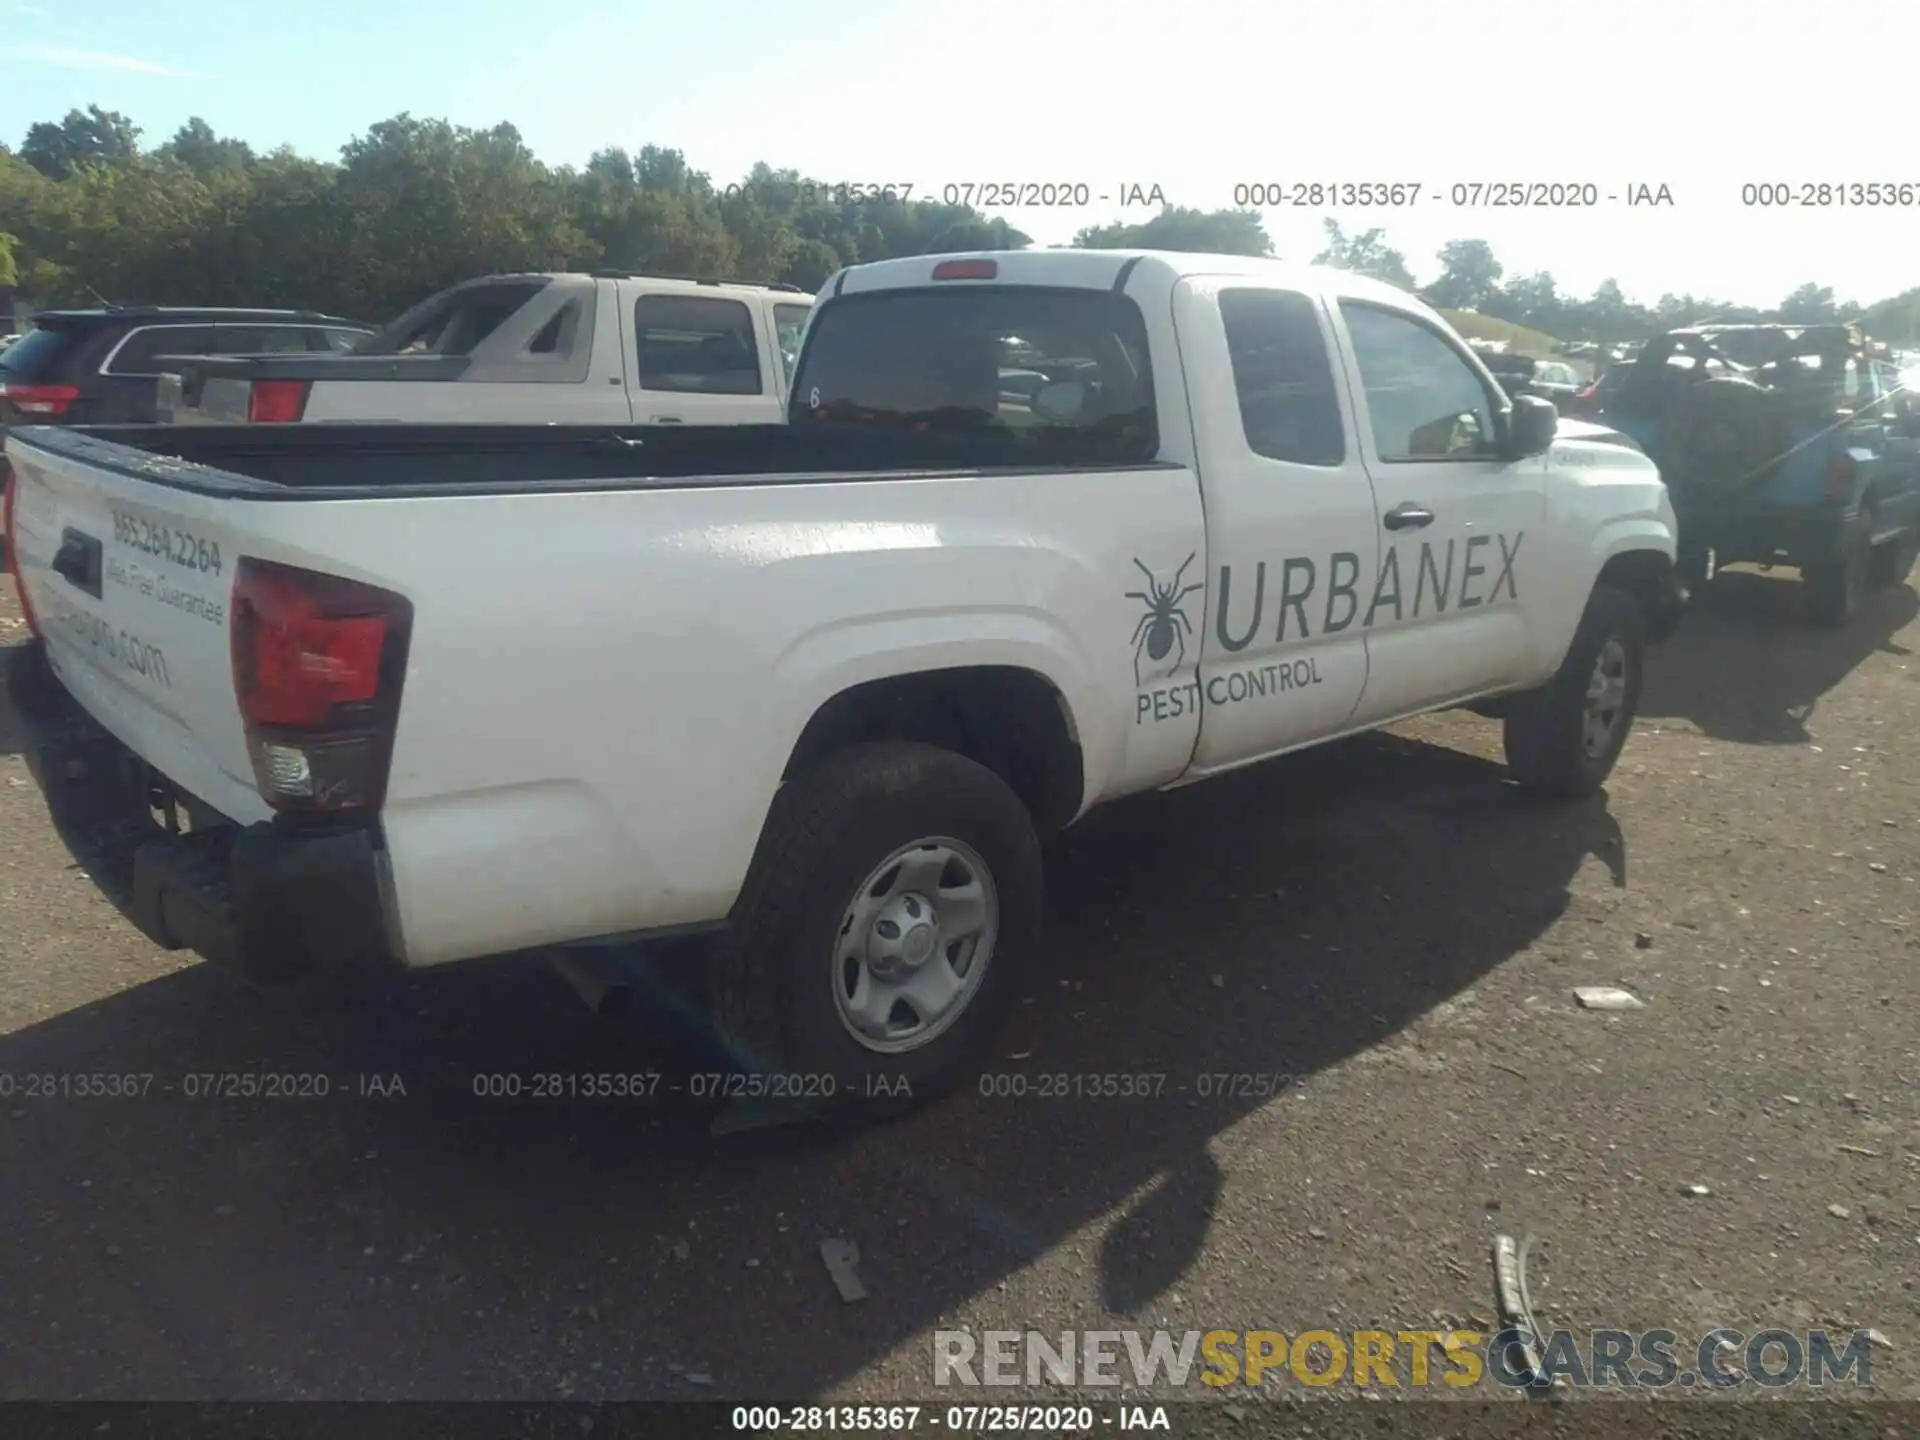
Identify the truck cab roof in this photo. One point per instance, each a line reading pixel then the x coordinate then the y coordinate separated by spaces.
pixel 1102 269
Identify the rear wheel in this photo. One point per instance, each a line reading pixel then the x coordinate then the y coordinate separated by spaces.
pixel 1562 740
pixel 1837 588
pixel 879 940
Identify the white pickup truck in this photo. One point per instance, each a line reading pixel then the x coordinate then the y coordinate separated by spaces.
pixel 611 348
pixel 1044 529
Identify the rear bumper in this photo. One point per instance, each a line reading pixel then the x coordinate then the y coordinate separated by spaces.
pixel 270 903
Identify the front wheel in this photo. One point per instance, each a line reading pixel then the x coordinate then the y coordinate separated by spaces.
pixel 1562 740
pixel 880 937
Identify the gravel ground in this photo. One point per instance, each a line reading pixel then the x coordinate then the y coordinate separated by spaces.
pixel 1386 921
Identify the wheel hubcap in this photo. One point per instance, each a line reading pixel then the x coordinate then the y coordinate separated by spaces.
pixel 914 945
pixel 1606 699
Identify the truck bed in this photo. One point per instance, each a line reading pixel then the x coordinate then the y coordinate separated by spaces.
pixel 344 462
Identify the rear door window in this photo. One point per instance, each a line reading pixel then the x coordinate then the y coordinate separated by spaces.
pixel 1033 375
pixel 139 354
pixel 339 342
pixel 690 344
pixel 1289 407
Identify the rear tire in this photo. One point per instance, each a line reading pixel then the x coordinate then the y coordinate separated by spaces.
pixel 1562 740
pixel 830 964
pixel 1837 588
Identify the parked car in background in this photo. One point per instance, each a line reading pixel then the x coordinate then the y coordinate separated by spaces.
pixel 610 348
pixel 1556 381
pixel 1590 401
pixel 100 367
pixel 1781 444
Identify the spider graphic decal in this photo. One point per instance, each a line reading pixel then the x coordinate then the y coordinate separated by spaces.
pixel 1163 629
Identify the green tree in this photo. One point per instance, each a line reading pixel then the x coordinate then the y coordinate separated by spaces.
pixel 1366 254
pixel 86 135
pixel 196 146
pixel 1810 305
pixel 1205 232
pixel 1469 276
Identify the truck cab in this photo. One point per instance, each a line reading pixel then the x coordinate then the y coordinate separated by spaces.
pixel 609 348
pixel 1042 530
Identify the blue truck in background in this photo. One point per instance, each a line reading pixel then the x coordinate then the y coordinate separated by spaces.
pixel 1782 444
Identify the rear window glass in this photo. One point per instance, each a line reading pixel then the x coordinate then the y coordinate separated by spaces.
pixel 691 344
pixel 261 340
pixel 140 352
pixel 1056 377
pixel 35 355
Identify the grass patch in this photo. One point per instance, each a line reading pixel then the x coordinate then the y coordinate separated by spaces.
pixel 1519 338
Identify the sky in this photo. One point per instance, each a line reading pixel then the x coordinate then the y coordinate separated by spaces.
pixel 1197 98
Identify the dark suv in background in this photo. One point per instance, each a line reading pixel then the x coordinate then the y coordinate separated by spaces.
pixel 101 367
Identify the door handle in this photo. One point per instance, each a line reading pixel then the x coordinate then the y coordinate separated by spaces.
pixel 1407 517
pixel 663 419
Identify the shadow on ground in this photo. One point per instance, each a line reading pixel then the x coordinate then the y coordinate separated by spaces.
pixel 1747 666
pixel 435 1244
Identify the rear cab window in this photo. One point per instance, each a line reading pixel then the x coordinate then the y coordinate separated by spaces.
pixel 1033 375
pixel 1289 407
pixel 696 345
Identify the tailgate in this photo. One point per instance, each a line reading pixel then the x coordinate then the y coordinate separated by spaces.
pixel 192 397
pixel 130 583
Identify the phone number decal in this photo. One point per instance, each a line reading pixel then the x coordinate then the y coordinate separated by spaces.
pixel 181 547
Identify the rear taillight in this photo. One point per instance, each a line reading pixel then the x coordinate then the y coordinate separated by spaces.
pixel 9 488
pixel 318 663
pixel 48 402
pixel 277 402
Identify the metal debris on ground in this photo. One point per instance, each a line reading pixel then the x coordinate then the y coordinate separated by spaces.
pixel 842 1259
pixel 1695 1190
pixel 1839 1212
pixel 1607 997
pixel 1878 1337
pixel 1515 1308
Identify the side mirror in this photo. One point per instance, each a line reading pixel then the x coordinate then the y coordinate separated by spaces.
pixel 1530 429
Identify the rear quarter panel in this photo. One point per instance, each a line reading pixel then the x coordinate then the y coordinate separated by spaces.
pixel 604 688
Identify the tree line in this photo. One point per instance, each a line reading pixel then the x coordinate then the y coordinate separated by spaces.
pixel 89 214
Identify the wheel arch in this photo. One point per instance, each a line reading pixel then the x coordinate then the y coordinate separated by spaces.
pixel 1012 719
